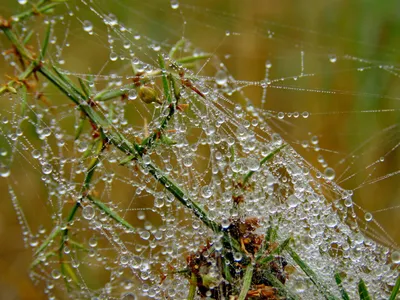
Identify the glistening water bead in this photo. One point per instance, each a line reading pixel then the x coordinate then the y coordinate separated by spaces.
pixel 88 212
pixel 396 257
pixel 329 173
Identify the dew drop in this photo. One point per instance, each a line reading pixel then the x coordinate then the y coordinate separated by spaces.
pixel 221 77
pixel 253 164
pixel 174 4
pixel 206 192
pixel 87 26
pixel 47 169
pixel 293 201
pixel 113 56
pixel 237 256
pixel 331 221
pixel 4 171
pixel 132 95
pixel 3 152
pixel 56 274
pixel 225 223
pixel 22 2
pixel 368 217
pixel 88 212
pixel 188 161
pixel 332 58
pixel 395 257
pixel 329 173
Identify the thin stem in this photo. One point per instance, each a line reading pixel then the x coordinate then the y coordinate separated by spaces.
pixel 248 276
pixel 265 159
pixel 395 289
pixel 310 273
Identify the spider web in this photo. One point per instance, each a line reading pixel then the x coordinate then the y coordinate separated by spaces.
pixel 321 189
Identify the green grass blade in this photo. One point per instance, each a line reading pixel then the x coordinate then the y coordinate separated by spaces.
pixel 248 276
pixel 165 83
pixel 282 289
pixel 45 42
pixel 193 287
pixel 35 10
pixel 179 44
pixel 363 291
pixel 310 273
pixel 109 94
pixel 395 289
pixel 69 82
pixel 112 214
pixel 48 240
pixel 278 249
pixel 343 292
pixel 80 127
pixel 28 37
pixel 85 88
pixel 265 159
pixel 191 59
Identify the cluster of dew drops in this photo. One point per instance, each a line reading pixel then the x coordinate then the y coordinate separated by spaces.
pixel 216 196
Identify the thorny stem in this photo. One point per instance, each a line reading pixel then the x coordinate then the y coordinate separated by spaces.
pixel 118 140
pixel 114 137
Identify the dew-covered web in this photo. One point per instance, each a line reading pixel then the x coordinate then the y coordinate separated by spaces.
pixel 259 128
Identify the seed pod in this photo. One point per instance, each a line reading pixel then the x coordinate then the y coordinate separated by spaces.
pixel 148 95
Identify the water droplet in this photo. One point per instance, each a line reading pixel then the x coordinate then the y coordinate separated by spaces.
pixel 22 2
pixel 124 259
pixel 113 56
pixel 83 146
pixel 221 77
pixel 368 217
pixel 145 235
pixel 93 242
pixel 331 220
pixel 3 152
pixel 332 58
pixel 281 115
pixel 132 95
pixel 237 256
pixel 225 223
pixel 188 161
pixel 174 4
pixel 146 159
pixel 56 274
pixel 293 201
pixel 395 257
pixel 88 212
pixel 329 173
pixel 253 164
pixel 87 26
pixel 47 169
pixel 206 192
pixel 4 170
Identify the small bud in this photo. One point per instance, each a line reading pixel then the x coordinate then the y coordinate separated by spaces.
pixel 148 95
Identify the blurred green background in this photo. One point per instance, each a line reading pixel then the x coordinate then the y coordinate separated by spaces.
pixel 362 35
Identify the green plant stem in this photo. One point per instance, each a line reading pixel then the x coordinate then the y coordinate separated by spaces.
pixel 395 289
pixel 265 159
pixel 130 148
pixel 343 292
pixel 36 9
pixel 363 291
pixel 248 276
pixel 310 273
pixel 193 286
pixel 282 289
pixel 278 249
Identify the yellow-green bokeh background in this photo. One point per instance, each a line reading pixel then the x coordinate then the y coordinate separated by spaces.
pixel 364 29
